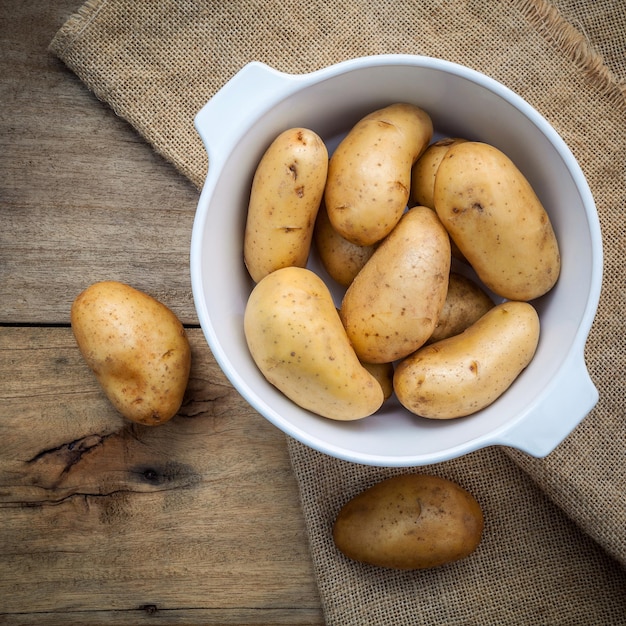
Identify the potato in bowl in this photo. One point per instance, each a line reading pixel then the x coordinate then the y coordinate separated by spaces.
pixel 554 392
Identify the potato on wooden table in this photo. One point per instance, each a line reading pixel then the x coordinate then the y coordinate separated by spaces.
pixel 137 348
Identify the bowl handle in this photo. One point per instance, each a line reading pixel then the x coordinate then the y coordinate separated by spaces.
pixel 228 112
pixel 570 399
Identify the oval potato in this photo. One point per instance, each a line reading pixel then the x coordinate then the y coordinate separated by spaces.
pixel 423 176
pixel 497 221
pixel 465 373
pixel 411 521
pixel 287 189
pixel 297 340
pixel 342 259
pixel 136 347
pixel 465 304
pixel 425 169
pixel 369 174
pixel 392 306
pixel 383 373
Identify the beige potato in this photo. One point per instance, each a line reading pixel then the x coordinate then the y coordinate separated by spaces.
pixel 136 347
pixel 342 259
pixel 497 221
pixel 411 521
pixel 297 340
pixel 466 302
pixel 287 189
pixel 369 174
pixel 383 373
pixel 425 169
pixel 423 178
pixel 392 306
pixel 465 373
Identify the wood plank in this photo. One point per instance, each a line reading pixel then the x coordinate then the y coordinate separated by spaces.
pixel 151 614
pixel 99 517
pixel 83 197
pixel 101 521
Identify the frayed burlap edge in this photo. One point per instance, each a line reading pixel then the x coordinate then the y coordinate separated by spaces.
pixel 72 29
pixel 550 24
pixel 85 14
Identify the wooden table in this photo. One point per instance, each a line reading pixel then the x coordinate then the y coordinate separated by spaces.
pixel 102 521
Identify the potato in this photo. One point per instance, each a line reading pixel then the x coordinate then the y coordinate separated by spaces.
pixel 369 174
pixel 297 340
pixel 423 178
pixel 497 221
pixel 465 373
pixel 342 259
pixel 383 373
pixel 466 302
pixel 411 521
pixel 136 347
pixel 424 171
pixel 392 306
pixel 286 193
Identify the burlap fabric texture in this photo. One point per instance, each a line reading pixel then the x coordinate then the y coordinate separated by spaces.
pixel 554 547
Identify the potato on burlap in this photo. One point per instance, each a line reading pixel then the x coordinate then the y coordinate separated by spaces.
pixel 411 521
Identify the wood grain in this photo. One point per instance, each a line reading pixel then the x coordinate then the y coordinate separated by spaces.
pixel 84 198
pixel 199 516
pixel 104 522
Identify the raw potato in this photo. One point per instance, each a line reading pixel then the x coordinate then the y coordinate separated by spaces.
pixel 369 174
pixel 425 169
pixel 287 190
pixel 465 373
pixel 297 340
pixel 423 178
pixel 412 521
pixel 497 221
pixel 342 259
pixel 392 306
pixel 465 304
pixel 383 373
pixel 136 347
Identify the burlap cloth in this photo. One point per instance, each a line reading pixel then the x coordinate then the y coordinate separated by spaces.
pixel 554 547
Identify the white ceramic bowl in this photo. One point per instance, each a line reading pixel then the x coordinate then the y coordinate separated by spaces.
pixel 550 397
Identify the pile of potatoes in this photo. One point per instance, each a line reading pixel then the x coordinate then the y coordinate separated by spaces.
pixel 387 212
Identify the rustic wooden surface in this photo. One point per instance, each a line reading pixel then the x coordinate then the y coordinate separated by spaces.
pixel 101 521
